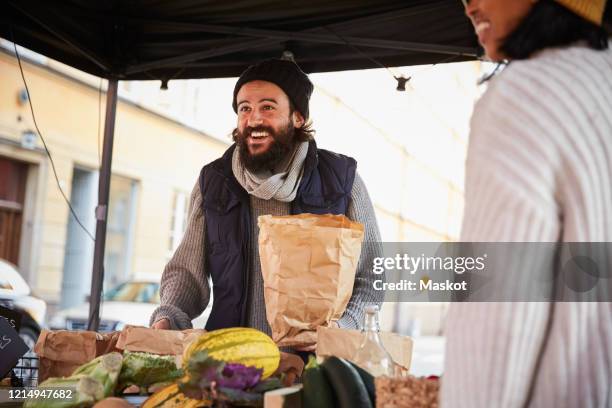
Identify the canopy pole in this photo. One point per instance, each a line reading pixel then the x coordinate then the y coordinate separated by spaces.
pixel 97 276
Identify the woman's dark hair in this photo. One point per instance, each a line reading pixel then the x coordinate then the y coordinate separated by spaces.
pixel 549 24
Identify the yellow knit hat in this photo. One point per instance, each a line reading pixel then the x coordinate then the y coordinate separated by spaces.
pixel 592 10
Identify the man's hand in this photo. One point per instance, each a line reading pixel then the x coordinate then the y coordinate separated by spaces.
pixel 292 366
pixel 163 324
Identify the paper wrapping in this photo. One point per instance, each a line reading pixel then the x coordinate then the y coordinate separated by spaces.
pixel 61 352
pixel 164 342
pixel 344 343
pixel 308 263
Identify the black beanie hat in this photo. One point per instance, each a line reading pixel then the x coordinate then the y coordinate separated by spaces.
pixel 284 73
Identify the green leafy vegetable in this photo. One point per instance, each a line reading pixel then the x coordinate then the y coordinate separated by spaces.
pixel 145 369
pixel 85 391
pixel 104 369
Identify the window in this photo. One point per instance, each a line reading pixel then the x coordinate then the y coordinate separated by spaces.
pixel 179 220
pixel 120 230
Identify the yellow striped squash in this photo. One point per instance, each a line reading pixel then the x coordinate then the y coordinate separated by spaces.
pixel 246 346
pixel 171 397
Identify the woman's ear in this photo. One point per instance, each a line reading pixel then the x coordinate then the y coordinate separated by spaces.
pixel 298 119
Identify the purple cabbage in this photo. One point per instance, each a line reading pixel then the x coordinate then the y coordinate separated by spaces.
pixel 225 382
pixel 239 377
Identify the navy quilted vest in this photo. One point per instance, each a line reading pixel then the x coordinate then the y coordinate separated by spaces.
pixel 325 188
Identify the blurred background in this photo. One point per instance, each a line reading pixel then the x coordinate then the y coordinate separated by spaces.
pixel 410 146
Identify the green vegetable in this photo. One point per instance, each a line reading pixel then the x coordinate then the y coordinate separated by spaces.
pixel 317 392
pixel 368 381
pixel 349 389
pixel 85 391
pixel 89 383
pixel 104 369
pixel 268 384
pixel 145 369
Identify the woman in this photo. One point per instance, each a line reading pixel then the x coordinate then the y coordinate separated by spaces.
pixel 539 169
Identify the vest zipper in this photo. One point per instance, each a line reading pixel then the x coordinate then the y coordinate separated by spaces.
pixel 245 287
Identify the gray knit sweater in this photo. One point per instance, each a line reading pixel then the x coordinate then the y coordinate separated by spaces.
pixel 539 169
pixel 185 288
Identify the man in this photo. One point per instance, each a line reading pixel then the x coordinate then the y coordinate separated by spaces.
pixel 275 168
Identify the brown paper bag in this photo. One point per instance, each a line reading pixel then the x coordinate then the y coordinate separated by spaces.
pixel 344 343
pixel 61 352
pixel 165 342
pixel 107 343
pixel 308 263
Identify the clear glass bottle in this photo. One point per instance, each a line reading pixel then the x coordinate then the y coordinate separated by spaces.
pixel 371 355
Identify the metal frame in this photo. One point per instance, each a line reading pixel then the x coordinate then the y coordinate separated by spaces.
pixel 97 279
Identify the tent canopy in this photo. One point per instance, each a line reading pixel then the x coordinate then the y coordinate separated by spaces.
pixel 153 39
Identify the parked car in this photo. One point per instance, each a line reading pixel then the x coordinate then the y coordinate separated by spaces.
pixel 130 303
pixel 15 294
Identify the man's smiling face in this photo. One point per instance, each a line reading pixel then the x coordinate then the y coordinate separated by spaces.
pixel 266 124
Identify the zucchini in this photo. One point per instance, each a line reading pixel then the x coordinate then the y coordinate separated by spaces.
pixel 349 389
pixel 317 392
pixel 368 381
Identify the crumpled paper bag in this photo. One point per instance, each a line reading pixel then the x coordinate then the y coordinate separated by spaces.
pixel 61 352
pixel 344 343
pixel 308 263
pixel 164 342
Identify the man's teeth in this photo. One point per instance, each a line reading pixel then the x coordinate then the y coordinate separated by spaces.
pixel 257 135
pixel 482 26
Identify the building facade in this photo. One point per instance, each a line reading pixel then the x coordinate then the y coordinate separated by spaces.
pixel 156 160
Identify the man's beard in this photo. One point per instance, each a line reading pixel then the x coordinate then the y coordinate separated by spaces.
pixel 282 145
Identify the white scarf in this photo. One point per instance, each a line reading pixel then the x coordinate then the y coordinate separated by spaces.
pixel 280 184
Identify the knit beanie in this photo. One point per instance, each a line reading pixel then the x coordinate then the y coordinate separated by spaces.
pixel 591 10
pixel 284 73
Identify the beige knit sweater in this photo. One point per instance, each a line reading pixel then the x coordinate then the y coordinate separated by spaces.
pixel 539 168
pixel 185 290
